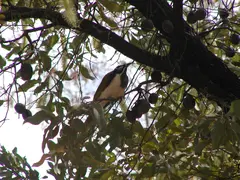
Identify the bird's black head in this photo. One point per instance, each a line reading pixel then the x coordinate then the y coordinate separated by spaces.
pixel 121 68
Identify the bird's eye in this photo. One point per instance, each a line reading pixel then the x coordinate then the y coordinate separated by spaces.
pixel 119 69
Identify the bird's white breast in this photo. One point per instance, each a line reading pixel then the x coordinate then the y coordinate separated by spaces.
pixel 113 91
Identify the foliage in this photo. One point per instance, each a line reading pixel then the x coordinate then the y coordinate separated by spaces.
pixel 185 133
pixel 13 166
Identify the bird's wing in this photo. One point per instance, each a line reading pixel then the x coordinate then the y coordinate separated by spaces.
pixel 104 83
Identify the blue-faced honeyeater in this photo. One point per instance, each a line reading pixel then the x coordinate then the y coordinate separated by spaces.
pixel 112 86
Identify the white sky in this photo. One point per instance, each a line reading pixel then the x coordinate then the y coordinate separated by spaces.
pixel 27 138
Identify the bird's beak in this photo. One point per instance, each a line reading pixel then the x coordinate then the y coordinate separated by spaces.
pixel 127 64
pixel 125 67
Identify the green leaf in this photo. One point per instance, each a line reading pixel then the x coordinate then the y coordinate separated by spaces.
pixel 84 71
pixel 108 20
pixel 15 50
pixel 94 150
pixel 98 46
pixel 88 159
pixel 235 108
pixel 27 85
pixel 193 1
pixel 234 132
pixel 39 117
pixel 76 42
pixel 45 60
pixel 200 146
pixel 148 170
pixel 53 132
pixel 107 175
pixel 62 76
pixel 114 141
pixel 50 42
pixel 51 145
pixel 77 124
pixel 164 121
pixel 2 62
pixel 53 40
pixel 235 127
pixel 97 114
pixel 41 86
pixel 1 102
pixel 112 159
pixel 90 148
pixel 181 93
pixel 149 147
pixel 137 127
pixel 217 134
pixel 7 47
pixel 112 6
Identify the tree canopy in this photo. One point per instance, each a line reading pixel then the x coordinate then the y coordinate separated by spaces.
pixel 180 116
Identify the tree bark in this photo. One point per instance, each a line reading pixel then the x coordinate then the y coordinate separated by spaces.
pixel 196 64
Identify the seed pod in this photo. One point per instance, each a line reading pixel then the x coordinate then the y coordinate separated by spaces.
pixel 191 18
pixel 136 112
pixel 223 13
pixel 229 52
pixel 189 102
pixel 27 113
pixel 156 76
pixel 147 25
pixel 143 106
pixel 131 116
pixel 26 71
pixel 19 108
pixel 153 98
pixel 235 39
pixel 200 14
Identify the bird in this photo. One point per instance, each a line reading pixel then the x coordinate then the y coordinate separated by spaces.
pixel 112 86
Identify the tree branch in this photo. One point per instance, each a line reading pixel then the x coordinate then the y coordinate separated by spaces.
pixel 198 66
pixel 96 30
pixel 178 20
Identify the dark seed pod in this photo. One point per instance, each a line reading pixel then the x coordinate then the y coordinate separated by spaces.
pixel 147 25
pixel 200 14
pixel 235 39
pixel 191 18
pixel 229 52
pixel 26 71
pixel 27 113
pixel 223 13
pixel 131 116
pixel 189 102
pixel 143 106
pixel 156 76
pixel 19 108
pixel 136 112
pixel 153 98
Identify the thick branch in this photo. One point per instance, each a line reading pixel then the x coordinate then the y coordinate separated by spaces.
pixel 178 20
pixel 198 66
pixel 103 34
